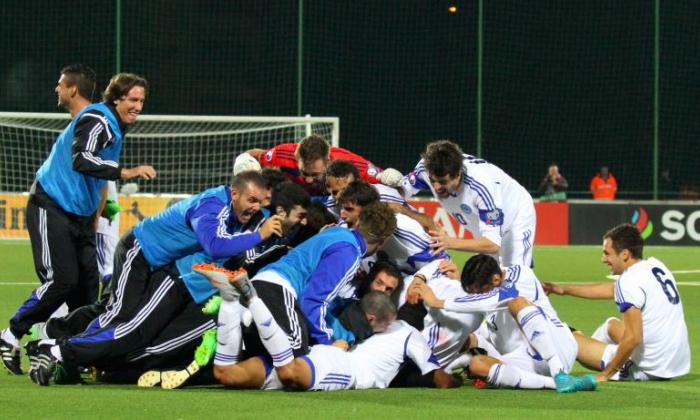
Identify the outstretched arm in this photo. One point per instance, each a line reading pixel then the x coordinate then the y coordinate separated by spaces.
pixel 586 291
pixel 442 241
pixel 631 338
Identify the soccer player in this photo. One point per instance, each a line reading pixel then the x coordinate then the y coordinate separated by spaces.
pixel 107 238
pixel 651 341
pixel 66 194
pixel 530 335
pixel 497 210
pixel 215 221
pixel 408 247
pixel 305 162
pixel 446 332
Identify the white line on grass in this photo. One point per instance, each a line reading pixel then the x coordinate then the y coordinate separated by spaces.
pixel 614 277
pixel 695 282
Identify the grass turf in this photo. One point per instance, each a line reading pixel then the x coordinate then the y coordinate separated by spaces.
pixel 19 398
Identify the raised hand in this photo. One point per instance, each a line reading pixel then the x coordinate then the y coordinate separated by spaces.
pixel 440 241
pixel 273 225
pixel 142 171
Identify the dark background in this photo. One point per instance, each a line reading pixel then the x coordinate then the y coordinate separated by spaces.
pixel 571 82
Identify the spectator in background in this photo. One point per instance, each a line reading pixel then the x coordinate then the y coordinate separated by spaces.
pixel 553 182
pixel 604 185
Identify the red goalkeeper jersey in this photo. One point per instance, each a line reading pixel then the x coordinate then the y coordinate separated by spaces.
pixel 282 157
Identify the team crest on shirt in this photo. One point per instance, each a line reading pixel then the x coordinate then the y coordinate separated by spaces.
pixel 268 156
pixel 492 217
pixel 412 178
pixel 372 171
pixel 465 209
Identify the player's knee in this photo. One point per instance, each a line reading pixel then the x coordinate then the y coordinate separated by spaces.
pixel 290 376
pixel 226 375
pixel 518 304
pixel 287 375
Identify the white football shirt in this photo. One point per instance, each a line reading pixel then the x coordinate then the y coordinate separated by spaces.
pixel 377 360
pixel 650 286
pixel 488 204
pixel 447 332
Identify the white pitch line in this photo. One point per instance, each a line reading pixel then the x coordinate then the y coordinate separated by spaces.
pixel 695 282
pixel 614 277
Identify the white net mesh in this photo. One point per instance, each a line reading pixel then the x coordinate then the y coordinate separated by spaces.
pixel 190 153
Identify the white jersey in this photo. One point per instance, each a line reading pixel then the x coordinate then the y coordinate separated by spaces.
pixel 371 364
pixel 386 195
pixel 408 247
pixel 376 361
pixel 447 332
pixel 504 331
pixel 649 286
pixel 488 204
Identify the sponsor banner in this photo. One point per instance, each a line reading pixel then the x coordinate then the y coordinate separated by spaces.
pixel 552 221
pixel 13 212
pixel 660 224
pixel 441 217
pixel 13 216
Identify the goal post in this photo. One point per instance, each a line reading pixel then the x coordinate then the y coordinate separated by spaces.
pixel 190 153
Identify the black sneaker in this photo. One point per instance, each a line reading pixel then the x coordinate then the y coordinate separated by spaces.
pixel 45 366
pixel 32 350
pixel 10 357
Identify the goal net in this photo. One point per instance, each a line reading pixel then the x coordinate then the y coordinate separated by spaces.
pixel 189 153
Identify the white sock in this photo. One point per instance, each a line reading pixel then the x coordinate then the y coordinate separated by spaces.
pixel 56 351
pixel 503 375
pixel 228 334
pixel 462 361
pixel 41 330
pixel 536 330
pixel 601 334
pixel 9 337
pixel 274 339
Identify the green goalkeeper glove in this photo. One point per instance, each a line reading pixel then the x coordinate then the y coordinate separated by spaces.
pixel 112 208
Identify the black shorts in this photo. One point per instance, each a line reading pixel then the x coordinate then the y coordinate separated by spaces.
pixel 285 310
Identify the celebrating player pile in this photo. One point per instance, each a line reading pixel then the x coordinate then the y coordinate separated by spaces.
pixel 269 289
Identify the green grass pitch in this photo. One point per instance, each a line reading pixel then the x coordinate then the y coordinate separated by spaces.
pixel 680 398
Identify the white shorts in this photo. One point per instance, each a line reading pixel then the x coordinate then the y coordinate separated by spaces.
pixel 331 369
pixel 106 244
pixel 526 358
pixel 629 370
pixel 516 244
